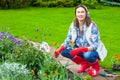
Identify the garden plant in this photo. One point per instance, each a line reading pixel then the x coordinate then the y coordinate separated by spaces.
pixel 116 62
pixel 26 62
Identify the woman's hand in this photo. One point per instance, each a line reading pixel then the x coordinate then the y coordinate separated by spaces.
pixel 58 51
pixel 78 50
pixel 56 54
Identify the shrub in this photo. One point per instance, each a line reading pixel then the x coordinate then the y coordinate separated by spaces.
pixel 8 4
pixel 65 3
pixel 8 44
pixel 55 3
pixel 24 52
pixel 112 2
pixel 29 55
pixel 14 71
pixel 90 3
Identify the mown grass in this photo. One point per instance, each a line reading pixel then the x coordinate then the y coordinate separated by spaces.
pixel 54 24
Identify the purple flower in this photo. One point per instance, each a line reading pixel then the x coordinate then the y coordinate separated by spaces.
pixel 12 39
pixel 8 42
pixel 7 35
pixel 17 41
pixel 1 35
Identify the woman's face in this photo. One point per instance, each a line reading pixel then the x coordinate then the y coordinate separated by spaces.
pixel 80 14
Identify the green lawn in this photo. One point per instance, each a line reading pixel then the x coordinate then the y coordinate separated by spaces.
pixel 53 24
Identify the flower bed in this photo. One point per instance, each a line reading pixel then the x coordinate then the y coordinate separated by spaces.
pixel 116 62
pixel 17 53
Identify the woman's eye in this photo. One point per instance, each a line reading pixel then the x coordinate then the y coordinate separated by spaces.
pixel 82 11
pixel 78 11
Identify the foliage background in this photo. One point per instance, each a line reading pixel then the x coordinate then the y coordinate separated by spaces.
pixel 8 4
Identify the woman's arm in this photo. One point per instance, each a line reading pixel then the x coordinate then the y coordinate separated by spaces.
pixel 94 37
pixel 69 37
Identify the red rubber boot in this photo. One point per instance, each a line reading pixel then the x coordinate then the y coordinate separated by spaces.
pixel 77 59
pixel 84 64
pixel 83 67
pixel 95 68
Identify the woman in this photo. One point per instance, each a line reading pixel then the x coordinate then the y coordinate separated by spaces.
pixel 82 52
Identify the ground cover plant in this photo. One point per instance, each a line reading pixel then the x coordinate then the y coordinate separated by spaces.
pixel 53 23
pixel 27 62
pixel 13 71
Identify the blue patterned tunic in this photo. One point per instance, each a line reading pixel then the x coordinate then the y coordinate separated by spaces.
pixel 81 39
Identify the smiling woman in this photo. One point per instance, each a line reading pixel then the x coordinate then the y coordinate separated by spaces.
pixel 85 49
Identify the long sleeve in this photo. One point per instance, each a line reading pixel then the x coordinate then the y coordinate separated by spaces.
pixel 68 38
pixel 94 36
